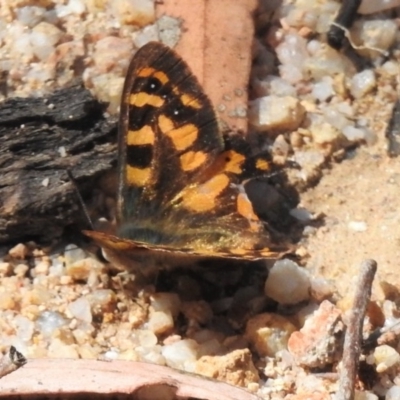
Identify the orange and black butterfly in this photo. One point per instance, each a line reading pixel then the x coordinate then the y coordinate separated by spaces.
pixel 180 194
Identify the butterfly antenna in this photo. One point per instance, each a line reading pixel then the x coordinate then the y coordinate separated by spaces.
pixel 82 203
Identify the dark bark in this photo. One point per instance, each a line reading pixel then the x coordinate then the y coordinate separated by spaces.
pixel 33 134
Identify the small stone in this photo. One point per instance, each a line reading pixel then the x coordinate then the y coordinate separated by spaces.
pixel 362 83
pixel 235 368
pixel 372 7
pixel 129 355
pixel 324 133
pixel 166 302
pixel 24 328
pixel 73 253
pixel 58 349
pixel 38 295
pixel 179 353
pixel 280 147
pixel 107 88
pixel 112 52
pixel 273 113
pixel 287 283
pixel 49 321
pixel 43 39
pixel 5 269
pixel 30 16
pixel 81 270
pixel 80 309
pixel 146 338
pixel 393 393
pixel 20 270
pixel 146 35
pixel 269 333
pixel 323 90
pixel 20 251
pixel 7 301
pixel 134 12
pixel 354 134
pixel 160 322
pixel 386 357
pixel 102 301
pixel 357 226
pixel 376 36
pixel 321 289
pixel 309 159
pixel 169 29
pixel 42 268
pixel 319 342
pixel 87 352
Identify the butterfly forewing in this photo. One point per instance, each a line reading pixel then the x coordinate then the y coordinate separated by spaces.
pixel 168 131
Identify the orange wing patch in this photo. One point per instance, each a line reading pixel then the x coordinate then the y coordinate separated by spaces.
pixel 203 197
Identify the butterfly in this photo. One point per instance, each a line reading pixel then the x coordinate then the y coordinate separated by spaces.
pixel 180 193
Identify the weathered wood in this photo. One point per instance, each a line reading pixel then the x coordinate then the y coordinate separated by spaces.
pixel 40 139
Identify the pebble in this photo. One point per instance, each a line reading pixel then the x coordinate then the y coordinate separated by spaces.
pixel 7 301
pixel 393 393
pixel 58 349
pixel 166 302
pixel 24 328
pixel 133 12
pixel 273 113
pixel 146 338
pixel 81 270
pixel 376 36
pixel 5 269
pixel 236 368
pixel 30 15
pixel 268 333
pixel 43 39
pixel 324 133
pixel 323 90
pixel 49 321
pixel 287 283
pixel 362 83
pixel 20 251
pixel 178 353
pixel 358 395
pixel 80 309
pixel 319 342
pixel 357 226
pixel 354 134
pixel 386 357
pixel 102 301
pixel 374 6
pixel 321 289
pixel 160 322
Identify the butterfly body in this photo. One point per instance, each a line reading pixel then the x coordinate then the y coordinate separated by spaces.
pixel 180 195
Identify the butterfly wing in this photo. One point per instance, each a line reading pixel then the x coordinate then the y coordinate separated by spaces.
pixel 168 132
pixel 179 187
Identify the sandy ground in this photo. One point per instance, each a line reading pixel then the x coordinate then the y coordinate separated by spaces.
pixel 360 202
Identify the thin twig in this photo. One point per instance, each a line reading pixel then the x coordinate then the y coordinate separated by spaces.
pixel 353 337
pixel 11 361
